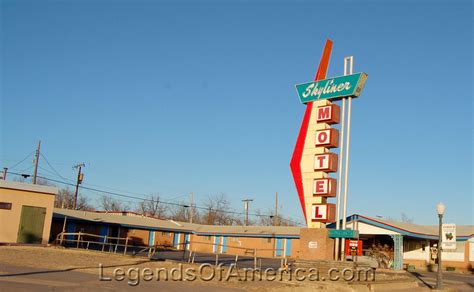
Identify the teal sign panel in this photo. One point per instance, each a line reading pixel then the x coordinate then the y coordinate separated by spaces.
pixel 332 88
pixel 347 233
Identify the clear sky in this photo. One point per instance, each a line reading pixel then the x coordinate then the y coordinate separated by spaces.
pixel 198 96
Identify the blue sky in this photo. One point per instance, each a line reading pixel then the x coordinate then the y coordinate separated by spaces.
pixel 198 96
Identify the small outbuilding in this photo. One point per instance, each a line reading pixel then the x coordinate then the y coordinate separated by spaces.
pixel 26 212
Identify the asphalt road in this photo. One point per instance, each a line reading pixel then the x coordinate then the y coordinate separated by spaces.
pixel 457 281
pixel 14 278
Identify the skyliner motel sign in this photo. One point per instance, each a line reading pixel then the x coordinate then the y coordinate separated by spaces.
pixel 334 88
pixel 312 161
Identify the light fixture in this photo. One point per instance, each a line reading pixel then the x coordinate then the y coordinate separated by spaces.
pixel 440 208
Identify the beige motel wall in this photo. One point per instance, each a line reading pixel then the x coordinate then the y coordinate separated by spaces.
pixel 25 212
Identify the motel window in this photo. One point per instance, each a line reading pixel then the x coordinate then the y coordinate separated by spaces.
pixel 164 233
pixel 5 206
pixel 269 240
pixel 411 245
pixel 208 237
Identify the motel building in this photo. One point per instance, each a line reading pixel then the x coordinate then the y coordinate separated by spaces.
pixel 407 245
pixel 26 212
pixel 411 245
pixel 28 216
pixel 143 231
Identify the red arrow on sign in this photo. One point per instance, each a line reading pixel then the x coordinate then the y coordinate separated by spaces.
pixel 295 163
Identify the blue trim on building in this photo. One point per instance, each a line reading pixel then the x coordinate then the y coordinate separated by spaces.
pixel 104 230
pixel 176 242
pixel 151 238
pixel 215 245
pixel 70 228
pixel 288 247
pixel 224 244
pixel 279 247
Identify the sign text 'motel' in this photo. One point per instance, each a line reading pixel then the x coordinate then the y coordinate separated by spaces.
pixel 332 88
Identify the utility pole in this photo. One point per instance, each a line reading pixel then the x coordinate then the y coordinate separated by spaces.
pixel 36 161
pixel 191 211
pixel 246 208
pixel 5 169
pixel 276 221
pixel 80 176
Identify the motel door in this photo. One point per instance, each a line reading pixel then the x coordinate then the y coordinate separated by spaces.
pixel 31 224
pixel 104 231
pixel 278 247
pixel 71 228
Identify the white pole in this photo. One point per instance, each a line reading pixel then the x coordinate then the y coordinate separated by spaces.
pixel 339 181
pixel 346 168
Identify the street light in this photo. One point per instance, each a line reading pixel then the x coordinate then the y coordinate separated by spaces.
pixel 440 209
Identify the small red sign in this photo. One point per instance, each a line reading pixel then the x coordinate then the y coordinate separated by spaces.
pixel 353 247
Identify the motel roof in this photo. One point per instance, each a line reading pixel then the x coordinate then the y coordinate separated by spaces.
pixel 34 188
pixel 134 220
pixel 463 232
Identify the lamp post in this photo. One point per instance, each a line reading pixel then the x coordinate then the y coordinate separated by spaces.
pixel 439 280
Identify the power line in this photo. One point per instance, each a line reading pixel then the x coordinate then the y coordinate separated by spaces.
pixel 113 189
pixel 21 161
pixel 160 201
pixel 24 170
pixel 55 171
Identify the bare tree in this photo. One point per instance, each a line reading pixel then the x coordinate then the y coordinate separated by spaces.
pixel 108 203
pixel 180 212
pixel 65 199
pixel 264 219
pixel 152 207
pixel 282 221
pixel 404 218
pixel 43 182
pixel 216 212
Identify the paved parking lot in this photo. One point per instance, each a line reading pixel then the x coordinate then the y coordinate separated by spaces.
pixel 20 278
pixel 199 258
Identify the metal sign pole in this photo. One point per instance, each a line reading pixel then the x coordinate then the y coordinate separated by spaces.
pixel 339 189
pixel 347 61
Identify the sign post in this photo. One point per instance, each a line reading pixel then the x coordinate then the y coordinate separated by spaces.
pixel 312 162
pixel 348 65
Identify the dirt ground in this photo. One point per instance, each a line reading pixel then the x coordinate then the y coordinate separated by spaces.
pixel 88 262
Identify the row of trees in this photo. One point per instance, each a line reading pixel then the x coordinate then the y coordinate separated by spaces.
pixel 215 210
